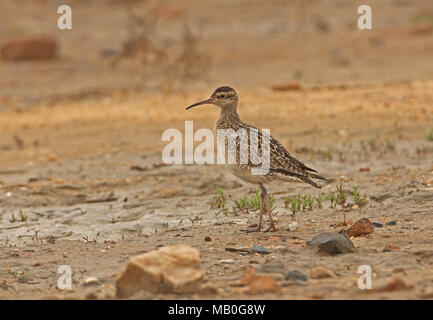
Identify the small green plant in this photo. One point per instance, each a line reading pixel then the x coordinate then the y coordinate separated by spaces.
pixel 360 201
pixel 15 273
pixel 12 219
pixel 294 204
pixel 331 197
pixel 254 201
pixel 308 202
pixel 245 204
pixel 425 18
pixel 304 203
pixel 389 145
pixel 319 201
pixel 372 142
pixel 341 195
pixel 327 155
pixel 240 205
pixel 429 135
pixel 23 217
pixel 219 202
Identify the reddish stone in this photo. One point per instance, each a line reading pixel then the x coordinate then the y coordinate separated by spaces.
pixel 361 227
pixel 397 283
pixel 263 285
pixel 321 272
pixel 29 49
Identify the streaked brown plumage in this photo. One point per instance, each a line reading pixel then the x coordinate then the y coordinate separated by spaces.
pixel 283 166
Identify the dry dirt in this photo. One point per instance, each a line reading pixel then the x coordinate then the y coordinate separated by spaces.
pixel 82 182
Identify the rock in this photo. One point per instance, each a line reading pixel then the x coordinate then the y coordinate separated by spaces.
pixel 361 227
pixel 377 225
pixel 321 272
pixel 227 261
pixel 53 158
pixel 397 283
pixel 293 226
pixel 259 249
pixel 294 283
pixel 391 223
pixel 295 275
pixel 263 285
pixel 343 178
pixel 332 243
pixel 91 281
pixel 276 267
pixel 249 275
pixel 169 269
pixel 207 238
pixel 209 288
pixel 34 48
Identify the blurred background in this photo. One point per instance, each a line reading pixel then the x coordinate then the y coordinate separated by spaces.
pixel 172 44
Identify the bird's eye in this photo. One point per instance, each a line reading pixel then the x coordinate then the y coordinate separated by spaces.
pixel 223 96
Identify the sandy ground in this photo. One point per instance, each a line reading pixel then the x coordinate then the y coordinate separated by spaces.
pixel 82 182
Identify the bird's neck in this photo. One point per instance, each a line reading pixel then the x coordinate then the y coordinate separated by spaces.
pixel 229 113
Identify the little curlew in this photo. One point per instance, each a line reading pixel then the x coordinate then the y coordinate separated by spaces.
pixel 282 166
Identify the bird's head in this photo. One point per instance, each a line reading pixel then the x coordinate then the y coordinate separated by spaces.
pixel 223 97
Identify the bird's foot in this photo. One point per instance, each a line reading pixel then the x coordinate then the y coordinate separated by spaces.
pixel 271 226
pixel 258 229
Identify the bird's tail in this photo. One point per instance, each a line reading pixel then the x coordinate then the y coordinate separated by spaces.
pixel 304 177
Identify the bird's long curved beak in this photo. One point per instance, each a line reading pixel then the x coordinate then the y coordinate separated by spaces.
pixel 207 101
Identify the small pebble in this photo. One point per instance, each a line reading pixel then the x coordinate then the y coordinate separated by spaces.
pixel 293 226
pixel 391 223
pixel 91 281
pixel 227 261
pixel 207 238
pixel 295 275
pixel 321 272
pixel 259 249
pixel 377 225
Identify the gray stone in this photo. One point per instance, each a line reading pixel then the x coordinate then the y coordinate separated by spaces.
pixel 332 243
pixel 259 249
pixel 295 275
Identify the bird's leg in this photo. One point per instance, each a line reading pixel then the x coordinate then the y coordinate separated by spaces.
pixel 271 221
pixel 262 199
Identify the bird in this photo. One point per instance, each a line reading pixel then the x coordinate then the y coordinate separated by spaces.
pixel 282 166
